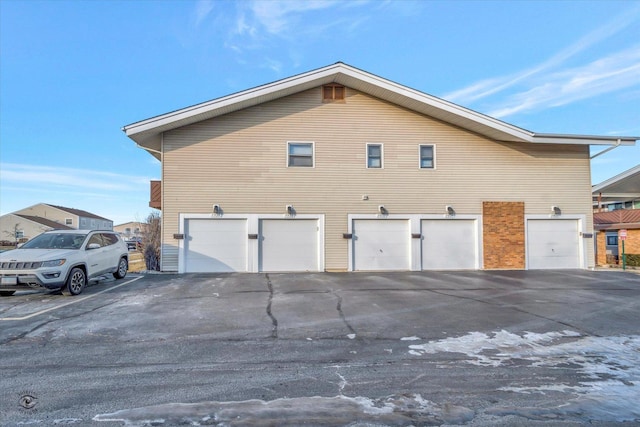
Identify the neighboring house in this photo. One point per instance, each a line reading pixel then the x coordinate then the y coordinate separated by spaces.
pixel 29 222
pixel 621 195
pixel 619 192
pixel 337 169
pixel 129 230
pixel 18 228
pixel 74 218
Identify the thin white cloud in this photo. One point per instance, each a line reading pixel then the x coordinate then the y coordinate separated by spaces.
pixel 261 24
pixel 615 72
pixel 273 65
pixel 277 17
pixel 202 10
pixel 492 86
pixel 80 180
pixel 50 192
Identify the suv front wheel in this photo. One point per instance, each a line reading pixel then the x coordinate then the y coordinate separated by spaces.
pixel 122 269
pixel 75 283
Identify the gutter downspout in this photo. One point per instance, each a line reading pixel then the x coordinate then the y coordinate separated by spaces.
pixel 616 145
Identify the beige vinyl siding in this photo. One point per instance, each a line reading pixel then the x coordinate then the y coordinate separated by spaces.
pixel 9 222
pixel 54 214
pixel 240 162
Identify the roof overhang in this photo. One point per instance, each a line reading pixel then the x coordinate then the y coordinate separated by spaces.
pixel 613 227
pixel 148 133
pixel 622 187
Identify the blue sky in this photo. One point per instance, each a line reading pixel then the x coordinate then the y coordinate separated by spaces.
pixel 72 73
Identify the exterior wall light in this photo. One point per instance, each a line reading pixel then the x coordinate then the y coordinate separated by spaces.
pixel 450 210
pixel 383 210
pixel 556 211
pixel 290 210
pixel 217 210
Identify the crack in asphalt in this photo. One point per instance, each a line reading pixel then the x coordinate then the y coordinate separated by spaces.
pixel 35 328
pixel 341 313
pixel 24 334
pixel 274 321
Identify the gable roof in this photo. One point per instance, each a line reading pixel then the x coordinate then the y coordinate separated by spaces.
pixel 622 187
pixel 78 212
pixel 147 133
pixel 618 219
pixel 46 222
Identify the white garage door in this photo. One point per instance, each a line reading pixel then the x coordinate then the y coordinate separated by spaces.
pixel 553 243
pixel 381 244
pixel 215 245
pixel 449 244
pixel 289 245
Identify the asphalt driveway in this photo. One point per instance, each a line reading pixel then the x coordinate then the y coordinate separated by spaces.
pixel 472 348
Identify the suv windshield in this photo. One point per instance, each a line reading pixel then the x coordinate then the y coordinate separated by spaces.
pixel 55 241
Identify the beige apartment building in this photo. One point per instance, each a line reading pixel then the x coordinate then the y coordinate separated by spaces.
pixel 338 169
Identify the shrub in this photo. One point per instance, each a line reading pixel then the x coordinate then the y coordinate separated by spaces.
pixel 151 242
pixel 633 260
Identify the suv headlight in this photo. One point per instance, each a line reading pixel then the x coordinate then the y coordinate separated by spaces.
pixel 53 263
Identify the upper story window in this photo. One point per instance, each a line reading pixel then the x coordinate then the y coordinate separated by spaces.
pixel 374 156
pixel 427 157
pixel 68 221
pixel 300 154
pixel 333 92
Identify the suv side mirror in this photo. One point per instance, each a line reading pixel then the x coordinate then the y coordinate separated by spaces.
pixel 93 246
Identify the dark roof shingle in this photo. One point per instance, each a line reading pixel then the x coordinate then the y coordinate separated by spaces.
pixel 46 222
pixel 80 212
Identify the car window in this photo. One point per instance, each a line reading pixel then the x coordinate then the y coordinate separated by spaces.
pixel 77 240
pixel 55 241
pixel 96 238
pixel 109 239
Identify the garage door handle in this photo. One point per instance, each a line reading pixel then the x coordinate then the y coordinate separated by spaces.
pixel 253 236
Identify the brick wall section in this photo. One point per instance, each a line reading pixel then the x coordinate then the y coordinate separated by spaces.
pixel 503 235
pixel 632 244
pixel 601 242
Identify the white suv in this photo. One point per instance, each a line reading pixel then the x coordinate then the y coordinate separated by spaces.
pixel 63 259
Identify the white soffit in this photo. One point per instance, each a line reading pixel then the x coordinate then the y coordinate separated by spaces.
pixel 147 133
pixel 623 185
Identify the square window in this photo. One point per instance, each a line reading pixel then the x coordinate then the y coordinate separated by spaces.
pixel 427 157
pixel 612 240
pixel 374 156
pixel 300 154
pixel 68 221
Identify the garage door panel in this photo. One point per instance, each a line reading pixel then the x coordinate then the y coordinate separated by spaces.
pixel 289 245
pixel 449 245
pixel 553 244
pixel 215 245
pixel 381 245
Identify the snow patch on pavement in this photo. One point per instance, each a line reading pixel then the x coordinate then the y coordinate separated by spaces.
pixel 396 410
pixel 610 367
pixel 476 344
